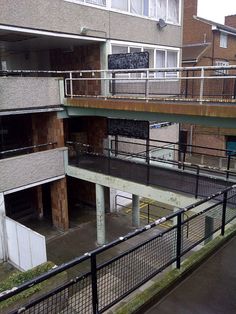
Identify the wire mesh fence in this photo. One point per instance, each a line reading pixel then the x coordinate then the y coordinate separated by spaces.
pixel 107 282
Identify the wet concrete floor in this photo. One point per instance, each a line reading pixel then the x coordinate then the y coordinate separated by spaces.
pixel 210 289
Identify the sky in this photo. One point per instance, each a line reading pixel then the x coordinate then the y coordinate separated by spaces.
pixel 215 10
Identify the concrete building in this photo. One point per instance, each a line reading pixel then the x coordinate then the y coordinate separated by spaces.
pixel 213 44
pixel 64 35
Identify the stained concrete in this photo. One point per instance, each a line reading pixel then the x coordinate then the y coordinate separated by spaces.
pixel 209 290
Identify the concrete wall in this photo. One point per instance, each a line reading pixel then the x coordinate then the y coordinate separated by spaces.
pixel 32 92
pixel 62 16
pixel 28 169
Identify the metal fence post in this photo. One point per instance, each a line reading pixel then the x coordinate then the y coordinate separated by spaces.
pixel 197 182
pixel 224 213
pixel 202 85
pixel 71 85
pixel 147 85
pixel 186 85
pixel 179 240
pixel 94 283
pixel 228 166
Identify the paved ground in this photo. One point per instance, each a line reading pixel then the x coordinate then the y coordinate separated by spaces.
pixel 210 289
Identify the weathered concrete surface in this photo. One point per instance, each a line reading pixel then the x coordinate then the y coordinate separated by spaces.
pixel 154 193
pixel 209 290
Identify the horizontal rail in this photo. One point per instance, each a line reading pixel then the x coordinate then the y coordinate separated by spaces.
pixel 20 149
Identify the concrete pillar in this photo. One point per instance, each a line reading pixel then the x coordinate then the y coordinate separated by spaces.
pixel 113 200
pixel 100 209
pixel 3 236
pixel 135 211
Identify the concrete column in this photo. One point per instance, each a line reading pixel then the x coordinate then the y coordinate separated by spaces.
pixel 3 236
pixel 100 208
pixel 113 200
pixel 135 211
pixel 209 227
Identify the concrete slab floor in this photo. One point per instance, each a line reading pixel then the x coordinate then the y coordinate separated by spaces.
pixel 209 290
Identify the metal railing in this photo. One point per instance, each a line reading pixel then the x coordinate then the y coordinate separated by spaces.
pixel 208 157
pixel 209 83
pixel 26 150
pixel 180 176
pixel 109 281
pixel 148 211
pixel 199 84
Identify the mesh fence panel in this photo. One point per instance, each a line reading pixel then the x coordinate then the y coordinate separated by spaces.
pixel 75 298
pixel 128 271
pixel 195 229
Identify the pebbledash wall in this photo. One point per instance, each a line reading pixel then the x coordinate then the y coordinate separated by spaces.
pixel 73 16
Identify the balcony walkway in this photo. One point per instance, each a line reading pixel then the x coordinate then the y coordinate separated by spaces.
pixel 210 289
pixel 168 178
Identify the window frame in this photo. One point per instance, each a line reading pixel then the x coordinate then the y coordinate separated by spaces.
pixel 155 49
pixel 223 40
pixel 108 7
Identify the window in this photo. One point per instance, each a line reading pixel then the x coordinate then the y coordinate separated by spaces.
pixel 167 10
pixel 120 5
pixel 158 58
pixel 221 63
pixel 172 61
pixel 96 2
pixel 223 40
pixel 160 62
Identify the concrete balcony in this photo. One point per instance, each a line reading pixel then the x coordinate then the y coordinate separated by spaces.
pixel 17 93
pixel 31 169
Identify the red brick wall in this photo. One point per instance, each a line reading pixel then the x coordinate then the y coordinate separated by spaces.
pixel 47 128
pixel 230 20
pixel 59 204
pixel 194 30
pixel 81 58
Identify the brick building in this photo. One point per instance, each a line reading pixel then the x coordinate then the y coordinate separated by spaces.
pixel 213 44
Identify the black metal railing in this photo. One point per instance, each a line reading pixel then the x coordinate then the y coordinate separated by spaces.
pixel 148 210
pixel 195 154
pixel 109 281
pixel 171 174
pixel 26 150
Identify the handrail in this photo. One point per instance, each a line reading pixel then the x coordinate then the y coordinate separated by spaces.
pixel 183 165
pixel 27 148
pixel 92 254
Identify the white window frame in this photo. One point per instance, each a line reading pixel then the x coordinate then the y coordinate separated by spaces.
pixel 223 40
pixel 148 46
pixel 108 7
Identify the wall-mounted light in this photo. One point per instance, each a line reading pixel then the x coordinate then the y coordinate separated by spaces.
pixel 161 24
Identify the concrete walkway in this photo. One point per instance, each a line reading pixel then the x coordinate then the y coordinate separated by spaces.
pixel 210 289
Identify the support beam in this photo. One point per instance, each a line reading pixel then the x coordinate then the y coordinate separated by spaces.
pixel 135 211
pixel 100 208
pixel 3 243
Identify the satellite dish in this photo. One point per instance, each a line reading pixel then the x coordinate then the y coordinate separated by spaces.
pixel 161 23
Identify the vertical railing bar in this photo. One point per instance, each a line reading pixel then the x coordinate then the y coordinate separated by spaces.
pixel 147 86
pixel 202 85
pixel 179 240
pixel 71 85
pixel 224 213
pixel 94 284
pixel 197 182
